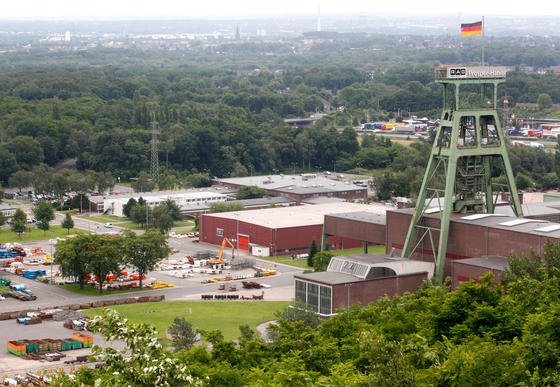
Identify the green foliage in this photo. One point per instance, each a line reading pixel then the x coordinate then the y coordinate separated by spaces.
pixel 98 254
pixel 313 249
pixel 143 362
pixel 127 208
pixel 183 335
pixel 161 218
pixel 2 219
pixel 250 192
pixel 144 251
pixel 19 222
pixel 143 183
pixel 44 213
pixel 321 260
pixel 225 207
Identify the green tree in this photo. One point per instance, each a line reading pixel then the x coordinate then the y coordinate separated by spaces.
pixel 144 251
pixel 225 207
pixel 143 183
pixel 173 209
pixel 183 335
pixel 250 192
pixel 71 255
pixel 161 218
pixel 20 180
pixel 313 249
pixel 140 213
pixel 104 256
pixel 143 361
pixel 19 222
pixel 127 208
pixel 544 101
pixel 2 219
pixel 67 222
pixel 321 260
pixel 44 213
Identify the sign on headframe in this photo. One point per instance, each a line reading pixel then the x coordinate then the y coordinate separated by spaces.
pixel 478 72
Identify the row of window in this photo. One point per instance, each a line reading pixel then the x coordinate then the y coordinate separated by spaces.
pixel 317 298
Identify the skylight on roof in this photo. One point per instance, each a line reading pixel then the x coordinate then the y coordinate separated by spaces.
pixel 553 227
pixel 479 216
pixel 517 222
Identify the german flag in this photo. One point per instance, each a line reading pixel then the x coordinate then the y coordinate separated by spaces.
pixel 470 29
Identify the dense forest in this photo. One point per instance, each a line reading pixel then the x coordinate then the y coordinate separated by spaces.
pixel 478 334
pixel 219 109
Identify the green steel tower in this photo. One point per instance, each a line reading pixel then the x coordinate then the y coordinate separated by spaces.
pixel 469 149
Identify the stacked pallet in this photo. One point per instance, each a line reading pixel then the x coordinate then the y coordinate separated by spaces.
pixel 25 347
pixel 85 338
pixel 16 347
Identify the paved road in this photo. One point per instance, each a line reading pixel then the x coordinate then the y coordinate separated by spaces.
pixel 188 288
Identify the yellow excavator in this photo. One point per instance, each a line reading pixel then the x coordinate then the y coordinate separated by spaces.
pixel 218 259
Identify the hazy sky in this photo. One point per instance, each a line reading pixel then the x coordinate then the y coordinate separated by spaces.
pixel 181 9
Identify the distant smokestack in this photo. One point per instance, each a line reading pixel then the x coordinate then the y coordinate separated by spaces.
pixel 319 17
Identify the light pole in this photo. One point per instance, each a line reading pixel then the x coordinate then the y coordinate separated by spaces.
pixel 52 241
pixel 237 235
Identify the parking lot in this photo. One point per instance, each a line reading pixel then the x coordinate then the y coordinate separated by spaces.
pixel 279 288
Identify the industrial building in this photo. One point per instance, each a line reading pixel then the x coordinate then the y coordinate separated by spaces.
pixel 187 199
pixel 359 278
pixel 281 231
pixel 301 187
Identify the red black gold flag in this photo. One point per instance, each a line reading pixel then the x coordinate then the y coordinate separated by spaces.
pixel 470 29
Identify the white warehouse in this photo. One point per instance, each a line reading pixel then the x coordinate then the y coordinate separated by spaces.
pixel 113 205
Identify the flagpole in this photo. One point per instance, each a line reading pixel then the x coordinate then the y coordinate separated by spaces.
pixel 482 40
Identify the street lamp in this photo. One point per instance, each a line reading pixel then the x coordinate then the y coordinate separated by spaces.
pixel 52 241
pixel 237 235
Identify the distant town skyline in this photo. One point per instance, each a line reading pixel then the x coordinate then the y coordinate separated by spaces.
pixel 220 9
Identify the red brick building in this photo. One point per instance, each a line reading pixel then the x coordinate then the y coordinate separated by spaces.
pixel 359 278
pixel 284 231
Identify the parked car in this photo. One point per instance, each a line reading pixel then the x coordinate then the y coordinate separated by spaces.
pixel 108 225
pixel 515 132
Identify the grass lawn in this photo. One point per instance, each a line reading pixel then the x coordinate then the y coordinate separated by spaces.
pixel 226 316
pixel 90 291
pixel 302 263
pixel 103 218
pixel 126 223
pixel 34 234
pixel 183 223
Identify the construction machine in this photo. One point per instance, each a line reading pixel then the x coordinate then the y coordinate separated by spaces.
pixel 218 260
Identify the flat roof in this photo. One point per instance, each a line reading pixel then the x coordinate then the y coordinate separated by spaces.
pixel 362 216
pixel 402 266
pixel 263 201
pixel 505 222
pixel 323 200
pixel 195 192
pixel 295 216
pixel 494 262
pixel 329 277
pixel 301 184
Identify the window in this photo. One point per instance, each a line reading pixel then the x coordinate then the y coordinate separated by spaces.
pixel 300 292
pixel 325 300
pixel 219 232
pixel 313 297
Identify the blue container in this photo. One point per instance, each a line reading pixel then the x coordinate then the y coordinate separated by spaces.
pixel 31 274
